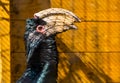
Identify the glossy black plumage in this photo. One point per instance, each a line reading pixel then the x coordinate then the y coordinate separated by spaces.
pixel 42 56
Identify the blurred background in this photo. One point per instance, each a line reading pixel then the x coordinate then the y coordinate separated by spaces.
pixel 90 54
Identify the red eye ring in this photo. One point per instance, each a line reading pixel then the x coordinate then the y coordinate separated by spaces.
pixel 40 29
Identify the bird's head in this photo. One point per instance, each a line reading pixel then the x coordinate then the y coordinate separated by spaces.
pixel 56 20
pixel 48 22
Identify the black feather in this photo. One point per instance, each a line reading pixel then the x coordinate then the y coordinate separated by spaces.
pixel 42 56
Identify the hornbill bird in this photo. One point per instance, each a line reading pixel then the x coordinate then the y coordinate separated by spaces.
pixel 40 44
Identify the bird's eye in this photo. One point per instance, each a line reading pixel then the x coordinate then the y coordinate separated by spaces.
pixel 40 29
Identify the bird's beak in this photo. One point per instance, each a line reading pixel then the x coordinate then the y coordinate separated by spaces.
pixel 73 27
